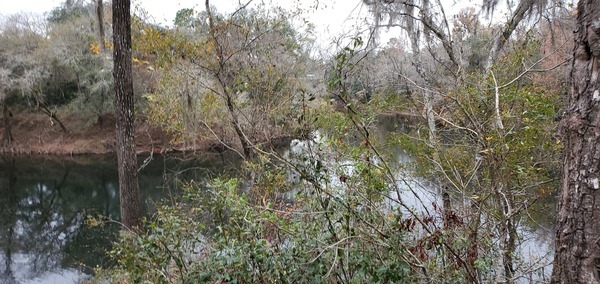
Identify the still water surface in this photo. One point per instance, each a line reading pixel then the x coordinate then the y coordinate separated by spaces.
pixel 44 201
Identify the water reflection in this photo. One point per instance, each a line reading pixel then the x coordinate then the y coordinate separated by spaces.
pixel 44 202
pixel 535 227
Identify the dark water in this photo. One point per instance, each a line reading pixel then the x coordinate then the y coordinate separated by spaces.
pixel 44 202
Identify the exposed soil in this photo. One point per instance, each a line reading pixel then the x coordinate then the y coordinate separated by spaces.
pixel 36 133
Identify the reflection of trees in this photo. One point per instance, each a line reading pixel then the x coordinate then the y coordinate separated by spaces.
pixel 50 223
pixel 43 214
pixel 8 204
pixel 43 204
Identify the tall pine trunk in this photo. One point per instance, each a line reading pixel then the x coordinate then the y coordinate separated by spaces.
pixel 124 112
pixel 577 252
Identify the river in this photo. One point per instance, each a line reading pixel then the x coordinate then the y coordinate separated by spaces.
pixel 45 200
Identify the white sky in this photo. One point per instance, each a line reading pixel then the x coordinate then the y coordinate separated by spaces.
pixel 332 18
pixel 164 10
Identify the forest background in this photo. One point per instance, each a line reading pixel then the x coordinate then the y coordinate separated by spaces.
pixel 476 104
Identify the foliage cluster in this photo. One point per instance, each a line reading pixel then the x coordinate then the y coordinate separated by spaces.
pixel 247 67
pixel 345 203
pixel 339 208
pixel 56 62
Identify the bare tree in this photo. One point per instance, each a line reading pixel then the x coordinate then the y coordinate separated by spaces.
pixel 221 61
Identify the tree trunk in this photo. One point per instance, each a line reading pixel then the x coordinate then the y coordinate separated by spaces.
pixel 126 156
pixel 42 106
pixel 246 145
pixel 60 124
pixel 100 15
pixel 7 139
pixel 9 202
pixel 508 29
pixel 577 250
pixel 247 150
pixel 54 117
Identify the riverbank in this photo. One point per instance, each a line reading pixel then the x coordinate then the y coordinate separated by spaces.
pixel 36 133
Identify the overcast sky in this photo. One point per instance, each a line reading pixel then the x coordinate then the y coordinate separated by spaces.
pixel 332 18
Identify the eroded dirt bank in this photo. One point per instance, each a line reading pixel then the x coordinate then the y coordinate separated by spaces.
pixel 36 133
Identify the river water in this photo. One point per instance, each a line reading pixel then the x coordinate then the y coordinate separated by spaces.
pixel 44 202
